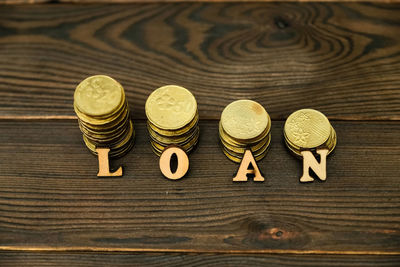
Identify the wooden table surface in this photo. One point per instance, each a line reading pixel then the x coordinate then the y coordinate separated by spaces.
pixel 340 58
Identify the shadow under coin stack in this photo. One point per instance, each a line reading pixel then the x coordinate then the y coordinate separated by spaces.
pixel 308 129
pixel 103 115
pixel 173 118
pixel 245 125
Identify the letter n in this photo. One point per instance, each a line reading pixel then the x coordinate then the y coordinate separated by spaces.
pixel 310 162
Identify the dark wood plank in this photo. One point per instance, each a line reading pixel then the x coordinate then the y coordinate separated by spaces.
pixel 50 198
pixel 174 259
pixel 13 2
pixel 340 58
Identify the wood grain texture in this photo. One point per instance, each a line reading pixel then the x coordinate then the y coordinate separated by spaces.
pixel 340 58
pixel 158 259
pixel 50 198
pixel 176 1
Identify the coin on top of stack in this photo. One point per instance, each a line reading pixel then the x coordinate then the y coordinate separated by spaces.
pixel 244 125
pixel 308 129
pixel 103 115
pixel 172 118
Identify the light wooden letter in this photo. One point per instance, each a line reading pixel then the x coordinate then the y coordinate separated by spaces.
pixel 241 175
pixel 309 161
pixel 165 163
pixel 104 165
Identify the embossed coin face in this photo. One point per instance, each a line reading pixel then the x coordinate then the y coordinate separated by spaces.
pixel 244 119
pixel 171 107
pixel 98 95
pixel 307 128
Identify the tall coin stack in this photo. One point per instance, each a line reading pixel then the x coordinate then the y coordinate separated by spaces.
pixel 244 125
pixel 103 115
pixel 308 129
pixel 172 118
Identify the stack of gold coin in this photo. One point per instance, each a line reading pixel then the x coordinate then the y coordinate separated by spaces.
pixel 308 129
pixel 244 125
pixel 103 115
pixel 172 118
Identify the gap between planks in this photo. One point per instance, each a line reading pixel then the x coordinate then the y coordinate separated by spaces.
pixel 16 2
pixel 196 251
pixel 73 117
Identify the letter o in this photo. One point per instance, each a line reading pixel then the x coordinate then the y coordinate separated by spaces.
pixel 165 160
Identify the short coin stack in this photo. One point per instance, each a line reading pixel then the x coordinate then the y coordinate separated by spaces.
pixel 173 118
pixel 245 125
pixel 309 129
pixel 103 115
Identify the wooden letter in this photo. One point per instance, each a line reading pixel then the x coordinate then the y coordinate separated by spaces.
pixel 104 166
pixel 309 161
pixel 165 163
pixel 241 175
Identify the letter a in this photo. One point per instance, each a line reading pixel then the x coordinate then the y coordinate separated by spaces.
pixel 165 163
pixel 241 175
pixel 104 166
pixel 309 161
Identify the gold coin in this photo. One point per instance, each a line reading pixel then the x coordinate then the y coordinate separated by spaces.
pixel 108 134
pixel 123 150
pixel 108 140
pixel 181 139
pixel 155 150
pixel 98 95
pixel 331 142
pixel 307 128
pixel 241 149
pixel 171 107
pixel 104 136
pixel 239 159
pixel 102 122
pixel 109 129
pixel 158 149
pixel 103 139
pixel 185 146
pixel 101 119
pixel 241 143
pixel 256 152
pixel 330 145
pixel 120 152
pixel 244 119
pixel 173 139
pixel 175 133
pixel 125 139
